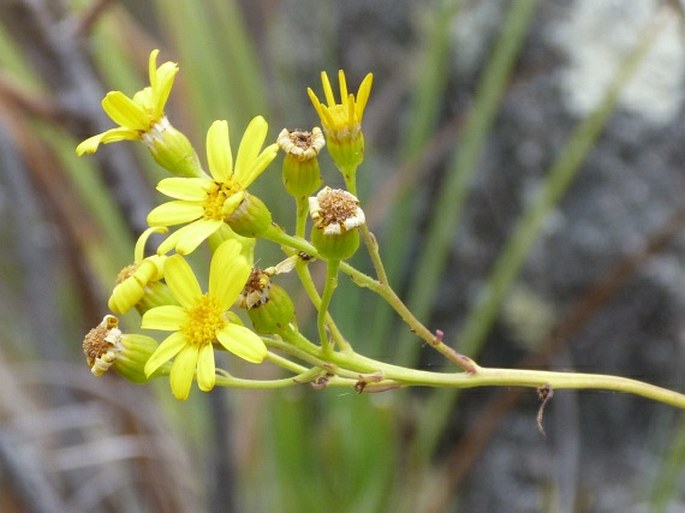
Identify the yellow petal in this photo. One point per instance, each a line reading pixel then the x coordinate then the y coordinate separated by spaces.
pixel 181 280
pixel 259 165
pixel 91 144
pixel 152 67
pixel 166 74
pixel 251 143
pixel 139 250
pixel 242 342
pixel 363 95
pixel 125 296
pixel 191 189
pixel 175 212
pixel 343 85
pixel 206 368
pixel 124 112
pixel 182 371
pixel 327 90
pixel 164 318
pixel 219 156
pixel 191 236
pixel 228 273
pixel 165 352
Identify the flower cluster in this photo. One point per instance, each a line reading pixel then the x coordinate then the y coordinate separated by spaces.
pixel 211 205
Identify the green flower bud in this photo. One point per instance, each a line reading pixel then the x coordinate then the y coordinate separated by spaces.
pixel 251 218
pixel 336 215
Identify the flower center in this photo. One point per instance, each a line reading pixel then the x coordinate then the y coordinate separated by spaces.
pixel 342 129
pixel 205 318
pixel 216 198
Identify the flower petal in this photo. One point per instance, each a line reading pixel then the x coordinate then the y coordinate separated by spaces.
pixel 259 165
pixel 91 144
pixel 327 89
pixel 181 280
pixel 343 85
pixel 175 212
pixel 125 112
pixel 228 273
pixel 242 342
pixel 206 368
pixel 363 95
pixel 185 240
pixel 165 318
pixel 251 143
pixel 219 156
pixel 191 189
pixel 165 352
pixel 139 249
pixel 152 67
pixel 182 371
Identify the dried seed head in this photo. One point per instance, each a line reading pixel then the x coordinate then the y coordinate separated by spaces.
pixel 301 144
pixel 335 211
pixel 102 345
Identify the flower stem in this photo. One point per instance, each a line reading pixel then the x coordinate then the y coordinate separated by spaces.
pixel 374 253
pixel 329 288
pixel 302 207
pixel 349 369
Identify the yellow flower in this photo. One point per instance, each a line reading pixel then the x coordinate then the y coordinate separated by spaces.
pixel 342 121
pixel 208 203
pixel 138 115
pixel 135 280
pixel 202 320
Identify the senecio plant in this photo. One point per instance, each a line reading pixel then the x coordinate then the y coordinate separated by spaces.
pixel 212 206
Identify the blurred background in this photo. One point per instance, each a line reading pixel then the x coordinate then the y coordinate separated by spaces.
pixel 524 176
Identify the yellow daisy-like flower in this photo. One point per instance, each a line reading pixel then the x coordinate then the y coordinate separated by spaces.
pixel 208 203
pixel 201 320
pixel 342 121
pixel 135 280
pixel 138 115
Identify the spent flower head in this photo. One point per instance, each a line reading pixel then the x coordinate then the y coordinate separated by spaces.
pixel 207 203
pixel 301 172
pixel 105 346
pixel 337 216
pixel 201 320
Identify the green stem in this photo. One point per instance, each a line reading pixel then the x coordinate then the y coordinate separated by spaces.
pixel 328 289
pixel 302 270
pixel 350 176
pixel 302 206
pixel 349 365
pixel 374 253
